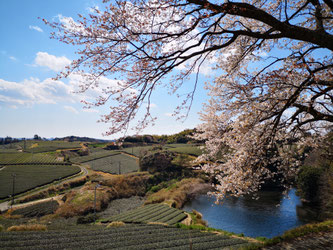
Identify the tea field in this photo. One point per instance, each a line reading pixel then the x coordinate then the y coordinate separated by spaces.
pixel 114 163
pixel 94 156
pixel 190 150
pixel 48 146
pixel 178 148
pixel 31 176
pixel 125 237
pixel 38 209
pixel 137 151
pixel 27 158
pixel 150 213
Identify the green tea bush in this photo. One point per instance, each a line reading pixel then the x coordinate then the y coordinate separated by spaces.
pixel 134 236
pixel 38 209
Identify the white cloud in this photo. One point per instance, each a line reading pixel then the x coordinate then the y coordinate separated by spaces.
pixel 52 62
pixel 35 28
pixel 90 110
pixel 70 24
pixel 71 109
pixel 13 58
pixel 33 91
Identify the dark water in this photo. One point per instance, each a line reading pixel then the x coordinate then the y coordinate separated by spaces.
pixel 269 216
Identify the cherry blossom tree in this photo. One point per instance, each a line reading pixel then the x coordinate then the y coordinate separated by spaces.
pixel 274 93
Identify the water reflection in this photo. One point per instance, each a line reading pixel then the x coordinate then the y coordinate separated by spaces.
pixel 269 216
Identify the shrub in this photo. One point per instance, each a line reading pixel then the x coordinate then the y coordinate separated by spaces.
pixel 197 218
pixel 326 226
pixel 28 227
pixel 1 228
pixel 156 161
pixel 308 182
pixel 81 202
pixel 86 219
pixel 177 194
pixel 116 224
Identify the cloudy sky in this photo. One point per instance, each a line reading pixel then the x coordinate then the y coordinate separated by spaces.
pixel 31 102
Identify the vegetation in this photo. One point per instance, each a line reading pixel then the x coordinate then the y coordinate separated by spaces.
pixel 81 202
pixel 151 213
pixel 115 164
pixel 54 189
pixel 194 150
pixel 48 146
pixel 28 177
pixel 27 227
pixel 315 178
pixel 166 186
pixel 308 182
pixel 157 162
pixel 308 229
pixel 38 209
pixel 177 194
pixel 121 205
pixel 116 224
pixel 28 158
pixel 128 236
pixel 197 218
pixel 178 138
pixel 138 151
pixel 93 156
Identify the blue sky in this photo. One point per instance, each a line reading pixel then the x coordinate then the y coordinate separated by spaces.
pixel 32 103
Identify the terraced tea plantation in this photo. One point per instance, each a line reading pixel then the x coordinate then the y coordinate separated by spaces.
pixel 150 213
pixel 114 163
pixel 48 146
pixel 38 209
pixel 28 158
pixel 125 237
pixel 137 151
pixel 31 176
pixel 94 156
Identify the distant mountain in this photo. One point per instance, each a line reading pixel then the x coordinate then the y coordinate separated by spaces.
pixel 83 139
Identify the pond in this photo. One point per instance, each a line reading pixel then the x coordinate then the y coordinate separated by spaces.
pixel 269 216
